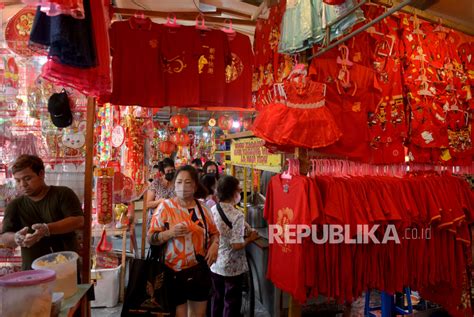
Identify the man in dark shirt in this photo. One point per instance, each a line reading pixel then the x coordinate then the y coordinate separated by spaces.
pixel 44 218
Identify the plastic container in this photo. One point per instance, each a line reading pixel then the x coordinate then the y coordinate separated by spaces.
pixel 27 293
pixel 106 287
pixel 65 265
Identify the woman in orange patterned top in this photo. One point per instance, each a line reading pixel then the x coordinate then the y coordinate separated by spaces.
pixel 191 239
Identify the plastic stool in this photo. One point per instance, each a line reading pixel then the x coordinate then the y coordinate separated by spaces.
pixel 388 307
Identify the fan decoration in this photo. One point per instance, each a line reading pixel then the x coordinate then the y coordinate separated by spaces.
pixel 17 32
pixel 225 123
pixel 123 188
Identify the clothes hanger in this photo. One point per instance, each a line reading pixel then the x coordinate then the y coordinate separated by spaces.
pixel 345 56
pixel 440 27
pixel 424 91
pixel 288 173
pixel 202 26
pixel 172 24
pixel 229 30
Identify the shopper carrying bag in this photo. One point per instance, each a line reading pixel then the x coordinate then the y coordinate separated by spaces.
pixel 186 229
pixel 147 292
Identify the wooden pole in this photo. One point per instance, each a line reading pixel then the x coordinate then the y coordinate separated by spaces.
pixel 144 222
pixel 86 252
pixel 245 191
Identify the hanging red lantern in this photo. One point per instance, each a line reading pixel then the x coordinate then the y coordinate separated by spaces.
pixel 167 147
pixel 225 122
pixel 180 139
pixel 179 121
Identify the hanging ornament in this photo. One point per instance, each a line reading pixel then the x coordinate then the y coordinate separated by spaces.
pixel 180 139
pixel 167 147
pixel 179 121
pixel 212 122
pixel 225 123
pixel 118 136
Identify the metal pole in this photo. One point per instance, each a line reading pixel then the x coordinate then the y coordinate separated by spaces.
pixel 342 17
pixel 362 29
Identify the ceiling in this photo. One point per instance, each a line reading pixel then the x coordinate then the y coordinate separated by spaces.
pixel 459 11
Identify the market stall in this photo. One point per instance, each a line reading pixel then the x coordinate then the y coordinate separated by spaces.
pixel 328 112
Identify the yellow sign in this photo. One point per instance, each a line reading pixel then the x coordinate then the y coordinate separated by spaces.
pixel 252 152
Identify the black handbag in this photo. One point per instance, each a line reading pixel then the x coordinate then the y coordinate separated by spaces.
pixel 148 290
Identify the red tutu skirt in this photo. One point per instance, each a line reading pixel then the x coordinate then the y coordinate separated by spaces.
pixel 95 81
pixel 299 125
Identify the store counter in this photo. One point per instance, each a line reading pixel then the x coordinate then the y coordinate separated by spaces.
pixel 73 303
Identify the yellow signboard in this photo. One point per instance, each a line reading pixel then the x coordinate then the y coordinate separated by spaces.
pixel 252 152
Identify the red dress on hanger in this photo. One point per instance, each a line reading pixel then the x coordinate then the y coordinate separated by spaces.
pixel 304 121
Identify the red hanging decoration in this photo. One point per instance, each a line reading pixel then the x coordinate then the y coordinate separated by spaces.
pixel 180 139
pixel 179 121
pixel 104 192
pixel 225 122
pixel 167 147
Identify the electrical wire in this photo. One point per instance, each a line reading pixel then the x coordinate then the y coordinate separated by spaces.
pixel 139 5
pixel 197 7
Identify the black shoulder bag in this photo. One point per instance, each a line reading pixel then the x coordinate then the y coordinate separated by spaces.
pixel 223 216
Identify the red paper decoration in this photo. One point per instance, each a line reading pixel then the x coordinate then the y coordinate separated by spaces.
pixel 180 139
pixel 179 121
pixel 167 147
pixel 225 122
pixel 104 192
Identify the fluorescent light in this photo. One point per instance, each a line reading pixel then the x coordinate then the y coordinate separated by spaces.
pixel 236 124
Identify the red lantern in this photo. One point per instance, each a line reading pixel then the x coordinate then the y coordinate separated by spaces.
pixel 225 122
pixel 167 147
pixel 180 139
pixel 179 121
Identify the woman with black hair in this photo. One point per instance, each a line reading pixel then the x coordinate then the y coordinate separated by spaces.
pixel 162 187
pixel 209 182
pixel 231 264
pixel 211 168
pixel 191 239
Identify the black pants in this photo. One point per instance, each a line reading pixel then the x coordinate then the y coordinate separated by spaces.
pixel 226 296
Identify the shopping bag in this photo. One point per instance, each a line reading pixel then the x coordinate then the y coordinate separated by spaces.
pixel 147 293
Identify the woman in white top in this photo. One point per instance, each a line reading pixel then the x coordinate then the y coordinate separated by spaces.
pixel 231 264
